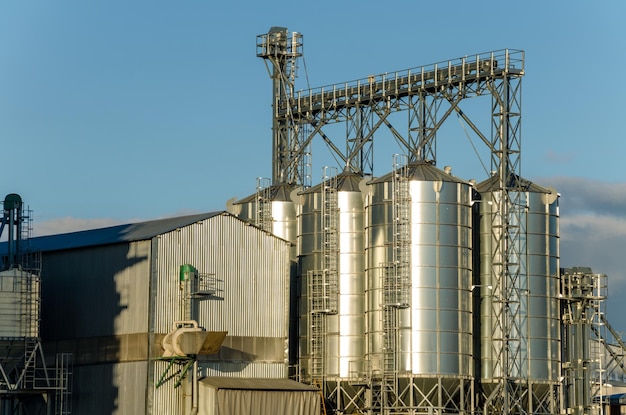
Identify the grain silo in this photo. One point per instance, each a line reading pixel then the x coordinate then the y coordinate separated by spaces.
pixel 529 313
pixel 331 240
pixel 419 288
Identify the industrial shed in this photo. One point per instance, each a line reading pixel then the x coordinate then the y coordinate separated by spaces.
pixel 110 295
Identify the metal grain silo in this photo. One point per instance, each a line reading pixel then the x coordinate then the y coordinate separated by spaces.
pixel 419 287
pixel 19 304
pixel 534 296
pixel 332 280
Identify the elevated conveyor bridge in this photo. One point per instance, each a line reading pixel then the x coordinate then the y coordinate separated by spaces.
pixel 465 75
pixel 366 104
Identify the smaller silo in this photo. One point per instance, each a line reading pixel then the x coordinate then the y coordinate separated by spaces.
pixel 19 304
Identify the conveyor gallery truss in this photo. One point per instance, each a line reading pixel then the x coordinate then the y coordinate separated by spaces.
pixel 429 95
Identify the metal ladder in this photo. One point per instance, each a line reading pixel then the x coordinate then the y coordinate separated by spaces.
pixel 390 369
pixel 63 393
pixel 29 379
pixel 330 244
pixel 396 281
pixel 263 217
pixel 317 335
pixel 323 283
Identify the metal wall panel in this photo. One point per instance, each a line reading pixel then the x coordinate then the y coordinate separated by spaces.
pixel 96 291
pixel 167 398
pixel 245 370
pixel 251 269
pixel 110 389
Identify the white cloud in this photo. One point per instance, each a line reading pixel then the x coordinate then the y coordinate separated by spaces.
pixel 580 195
pixel 592 227
pixel 562 158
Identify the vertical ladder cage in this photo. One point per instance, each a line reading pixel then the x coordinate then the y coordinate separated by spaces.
pixel 330 245
pixel 324 283
pixel 263 214
pixel 396 282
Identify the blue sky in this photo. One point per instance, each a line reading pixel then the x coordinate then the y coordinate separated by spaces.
pixel 119 111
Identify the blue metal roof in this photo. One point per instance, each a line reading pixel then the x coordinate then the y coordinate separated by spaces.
pixel 115 234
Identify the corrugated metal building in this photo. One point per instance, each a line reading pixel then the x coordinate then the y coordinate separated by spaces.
pixel 110 295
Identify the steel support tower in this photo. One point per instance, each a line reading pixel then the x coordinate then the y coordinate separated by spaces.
pixel 280 51
pixel 511 393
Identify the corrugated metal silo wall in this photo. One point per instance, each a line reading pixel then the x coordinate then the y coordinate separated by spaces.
pixel 95 306
pixel 251 268
pixel 434 331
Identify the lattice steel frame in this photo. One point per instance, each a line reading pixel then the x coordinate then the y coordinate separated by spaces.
pixel 511 394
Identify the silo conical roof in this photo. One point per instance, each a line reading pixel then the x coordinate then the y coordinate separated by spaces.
pixel 422 171
pixel 492 184
pixel 346 182
pixel 277 192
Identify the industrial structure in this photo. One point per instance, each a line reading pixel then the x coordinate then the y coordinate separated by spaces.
pixel 409 292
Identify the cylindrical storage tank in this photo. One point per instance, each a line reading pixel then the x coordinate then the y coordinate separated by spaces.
pixel 336 246
pixel 536 315
pixel 271 209
pixel 19 304
pixel 430 330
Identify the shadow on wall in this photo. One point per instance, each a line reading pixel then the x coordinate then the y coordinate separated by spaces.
pixel 95 306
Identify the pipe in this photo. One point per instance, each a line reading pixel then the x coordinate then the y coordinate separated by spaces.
pixel 194 389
